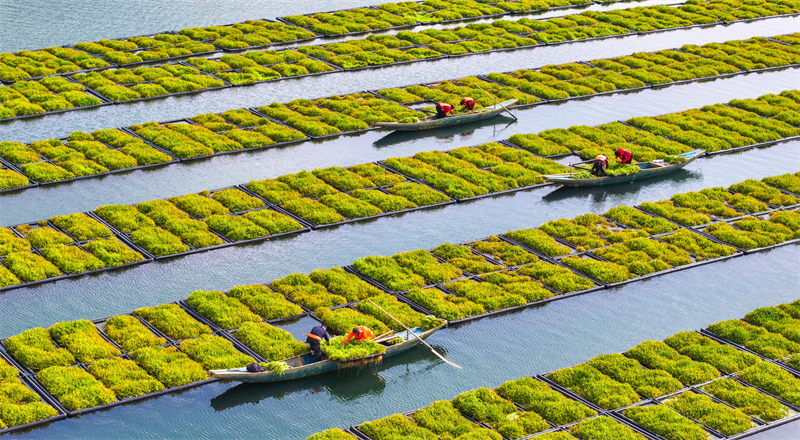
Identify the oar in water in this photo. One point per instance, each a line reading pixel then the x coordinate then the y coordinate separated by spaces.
pixel 498 102
pixel 415 335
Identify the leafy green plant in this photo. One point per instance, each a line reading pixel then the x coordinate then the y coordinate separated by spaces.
pixel 302 290
pixel 502 251
pixel 605 271
pixel 449 307
pixel 81 227
pixel 395 426
pixel 35 349
pixel 343 320
pixel 636 219
pixel 355 349
pixel 215 353
pixel 774 380
pixel 418 194
pixel 559 278
pixel 389 272
pixel 658 355
pixel 124 377
pixel 43 236
pixel 169 366
pixel 348 285
pixel 684 216
pixel 768 344
pixel 29 267
pixel 700 348
pixel 71 259
pixel 158 241
pixel 539 240
pixel 112 252
pixel 444 420
pixel 173 321
pixel 130 333
pixel 748 399
pixel 665 422
pixel 83 340
pixel 485 405
pixel 595 386
pixel 697 244
pixel 776 321
pixel 75 388
pixel 236 200
pixel 602 427
pixel 223 310
pixel 236 228
pixel 123 217
pixel 11 243
pixel 538 397
pixel 272 221
pixel 199 206
pixel 332 434
pixel 702 408
pixel 399 310
pixel 648 383
pixel 272 343
pixel 264 302
pixel 788 182
pixel 765 193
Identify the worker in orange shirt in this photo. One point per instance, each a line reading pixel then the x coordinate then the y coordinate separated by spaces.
pixel 443 109
pixel 361 333
pixel 468 104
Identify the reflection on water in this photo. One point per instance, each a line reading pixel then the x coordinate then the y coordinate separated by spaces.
pixel 599 194
pixel 345 385
pixel 462 133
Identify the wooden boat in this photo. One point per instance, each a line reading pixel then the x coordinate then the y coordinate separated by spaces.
pixel 648 170
pixel 305 366
pixel 432 122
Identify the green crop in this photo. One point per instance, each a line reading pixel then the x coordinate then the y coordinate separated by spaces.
pixel 332 434
pixel 395 427
pixel 557 277
pixel 343 320
pixel 158 241
pixel 30 267
pixel 773 379
pixel 538 397
pixel 345 284
pixel 635 219
pixel 604 427
pixel 272 343
pixel 444 420
pixel 697 244
pixel 264 302
pixel 658 355
pixel 387 271
pixel 384 202
pixel 274 222
pixel 765 193
pixel 355 349
pixel 223 310
pixel 343 179
pixel 83 340
pixel 539 240
pixel 463 258
pixel 350 206
pixel 490 296
pixel 130 333
pixel 236 228
pixel 648 383
pixel 788 182
pixel 173 321
pixel 43 236
pixel 300 289
pixel 724 419
pixel 123 217
pixel 485 405
pixel 75 388
pixel 124 377
pixel 665 422
pixel 768 344
pixel 399 310
pixel 595 386
pixel 215 353
pixel 790 219
pixel 425 265
pixel 748 399
pixel 35 349
pixel 700 348
pixel 11 243
pixel 20 405
pixel 507 253
pixel 10 179
pixel 776 321
pixel 604 271
pixel 169 366
pixel 449 307
pixel 112 252
pixel 71 259
pixel 45 172
pixel 573 233
pixel 684 216
pixel 199 206
pixel 419 194
pixel 236 200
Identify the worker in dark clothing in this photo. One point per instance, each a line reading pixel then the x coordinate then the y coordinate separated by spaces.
pixel 623 156
pixel 468 103
pixel 442 109
pixel 600 165
pixel 314 338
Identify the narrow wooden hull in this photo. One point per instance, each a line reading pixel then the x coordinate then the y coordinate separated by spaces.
pixel 647 172
pixel 430 123
pixel 307 367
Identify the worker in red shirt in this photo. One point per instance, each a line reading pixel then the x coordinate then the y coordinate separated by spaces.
pixel 600 165
pixel 623 156
pixel 442 109
pixel 361 333
pixel 468 103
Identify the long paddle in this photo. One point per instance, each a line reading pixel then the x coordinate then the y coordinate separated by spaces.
pixel 415 335
pixel 495 100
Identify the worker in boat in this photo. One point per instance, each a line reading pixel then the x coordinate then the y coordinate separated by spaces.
pixel 442 110
pixel 623 156
pixel 468 104
pixel 361 333
pixel 314 339
pixel 600 165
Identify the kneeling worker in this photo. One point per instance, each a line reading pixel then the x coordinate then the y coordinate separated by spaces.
pixel 361 333
pixel 623 156
pixel 314 338
pixel 600 165
pixel 442 109
pixel 468 103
